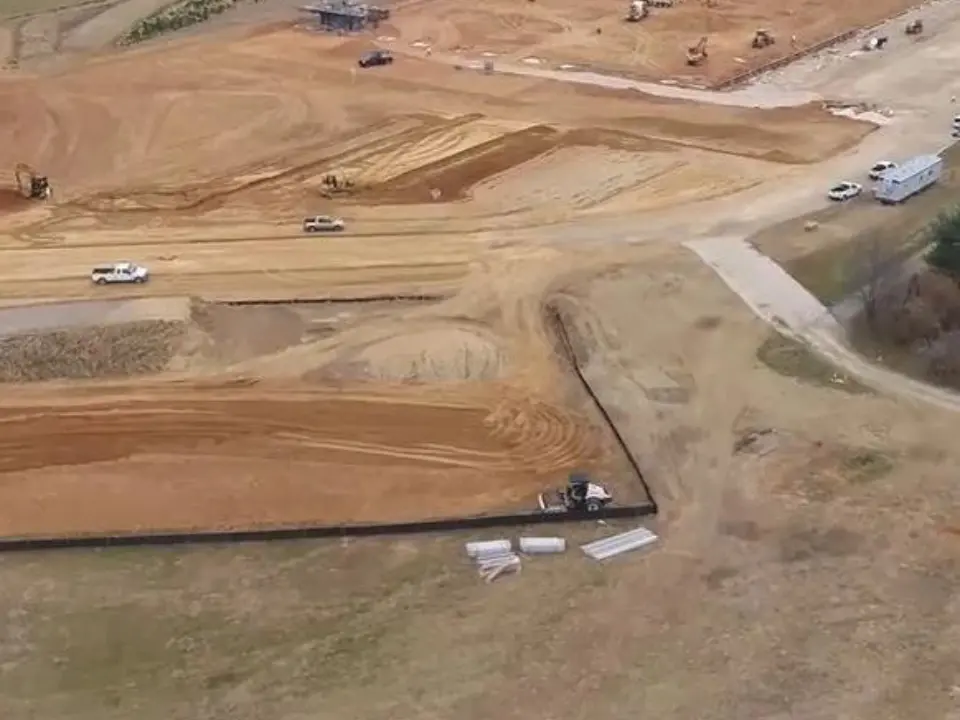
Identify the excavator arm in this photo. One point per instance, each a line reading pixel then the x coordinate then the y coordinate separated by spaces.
pixel 24 174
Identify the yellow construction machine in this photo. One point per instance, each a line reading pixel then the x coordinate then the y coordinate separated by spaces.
pixel 336 184
pixel 762 39
pixel 698 53
pixel 31 184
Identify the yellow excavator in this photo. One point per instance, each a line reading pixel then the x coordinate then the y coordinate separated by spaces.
pixel 31 184
pixel 698 53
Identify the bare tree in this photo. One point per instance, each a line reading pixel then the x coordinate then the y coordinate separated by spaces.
pixel 878 273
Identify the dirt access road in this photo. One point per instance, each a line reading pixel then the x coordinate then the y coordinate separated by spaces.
pixel 195 161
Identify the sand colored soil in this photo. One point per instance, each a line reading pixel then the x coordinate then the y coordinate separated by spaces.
pixel 592 36
pixel 256 459
pixel 199 159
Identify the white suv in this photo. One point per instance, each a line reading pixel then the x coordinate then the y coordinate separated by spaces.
pixel 845 191
pixel 322 223
pixel 122 272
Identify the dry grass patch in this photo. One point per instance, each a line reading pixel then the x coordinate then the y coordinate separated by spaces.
pixel 134 348
pixel 791 358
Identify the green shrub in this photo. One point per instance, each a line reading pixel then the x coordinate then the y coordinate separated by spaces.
pixel 175 17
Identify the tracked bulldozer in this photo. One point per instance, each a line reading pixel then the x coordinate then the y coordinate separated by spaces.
pixel 762 39
pixel 698 53
pixel 31 184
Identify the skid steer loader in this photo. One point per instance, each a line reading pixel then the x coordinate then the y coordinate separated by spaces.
pixel 580 495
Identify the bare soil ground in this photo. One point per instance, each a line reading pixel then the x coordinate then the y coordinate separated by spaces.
pixel 758 538
pixel 597 37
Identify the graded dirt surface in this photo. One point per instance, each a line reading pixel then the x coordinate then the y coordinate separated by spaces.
pixel 199 163
pixel 253 458
pixel 561 32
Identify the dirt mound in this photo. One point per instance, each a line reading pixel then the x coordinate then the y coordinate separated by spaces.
pixel 134 348
pixel 232 334
pixel 444 354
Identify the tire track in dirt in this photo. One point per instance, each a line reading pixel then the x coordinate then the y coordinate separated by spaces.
pixel 213 193
pixel 446 458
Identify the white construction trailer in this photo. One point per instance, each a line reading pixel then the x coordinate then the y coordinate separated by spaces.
pixel 908 179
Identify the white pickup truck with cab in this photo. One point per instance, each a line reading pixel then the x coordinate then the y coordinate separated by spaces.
pixel 121 272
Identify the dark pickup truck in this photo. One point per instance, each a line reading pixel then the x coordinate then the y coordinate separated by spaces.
pixel 374 58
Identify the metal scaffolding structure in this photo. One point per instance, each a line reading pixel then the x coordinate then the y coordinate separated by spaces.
pixel 345 15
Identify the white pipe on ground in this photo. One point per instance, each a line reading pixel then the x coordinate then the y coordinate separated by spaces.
pixel 486 548
pixel 542 545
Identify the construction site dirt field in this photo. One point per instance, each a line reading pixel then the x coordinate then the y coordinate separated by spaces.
pixel 260 460
pixel 562 32
pixel 199 157
pixel 408 367
pixel 195 159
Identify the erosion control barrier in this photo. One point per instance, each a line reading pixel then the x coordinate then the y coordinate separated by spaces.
pixel 747 75
pixel 306 532
pixel 560 329
pixel 333 300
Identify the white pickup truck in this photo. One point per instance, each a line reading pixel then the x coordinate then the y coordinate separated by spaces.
pixel 121 272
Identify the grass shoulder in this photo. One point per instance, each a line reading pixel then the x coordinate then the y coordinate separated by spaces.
pixel 791 358
pixel 834 251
